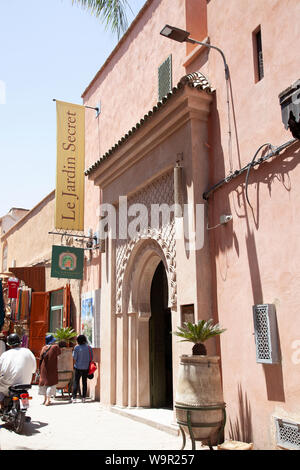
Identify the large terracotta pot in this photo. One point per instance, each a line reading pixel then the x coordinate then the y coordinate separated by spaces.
pixel 64 367
pixel 199 386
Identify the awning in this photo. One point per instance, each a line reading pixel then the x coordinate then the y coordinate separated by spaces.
pixel 33 276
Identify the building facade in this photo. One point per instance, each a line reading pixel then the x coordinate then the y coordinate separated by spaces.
pixel 175 129
pixel 191 182
pixel 254 257
pixel 6 222
pixel 28 249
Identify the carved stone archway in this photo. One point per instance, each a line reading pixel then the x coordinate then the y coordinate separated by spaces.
pixel 159 191
pixel 144 259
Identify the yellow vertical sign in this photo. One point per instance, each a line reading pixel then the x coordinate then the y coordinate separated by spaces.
pixel 69 197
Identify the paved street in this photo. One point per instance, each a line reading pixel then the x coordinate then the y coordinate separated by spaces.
pixel 83 426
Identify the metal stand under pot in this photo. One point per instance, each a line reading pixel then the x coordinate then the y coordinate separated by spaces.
pixel 199 404
pixel 185 421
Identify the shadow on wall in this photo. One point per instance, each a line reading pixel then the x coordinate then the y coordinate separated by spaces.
pixel 232 198
pixel 274 382
pixel 241 428
pixel 277 169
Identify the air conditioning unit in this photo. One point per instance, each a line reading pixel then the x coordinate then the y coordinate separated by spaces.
pixel 266 334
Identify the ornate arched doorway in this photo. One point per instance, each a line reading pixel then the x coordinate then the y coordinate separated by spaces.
pixel 146 301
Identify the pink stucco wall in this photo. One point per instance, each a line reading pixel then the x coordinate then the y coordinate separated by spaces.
pixel 254 257
pixel 127 87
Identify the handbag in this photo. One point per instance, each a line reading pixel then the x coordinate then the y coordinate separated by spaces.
pixel 92 367
pixel 44 354
pixel 36 377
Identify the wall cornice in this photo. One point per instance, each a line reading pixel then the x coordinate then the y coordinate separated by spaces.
pixel 188 104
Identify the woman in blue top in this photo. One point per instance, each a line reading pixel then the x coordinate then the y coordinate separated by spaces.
pixel 82 356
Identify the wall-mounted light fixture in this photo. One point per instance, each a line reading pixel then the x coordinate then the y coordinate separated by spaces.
pixel 224 219
pixel 181 35
pixel 98 108
pixel 289 101
pixel 178 190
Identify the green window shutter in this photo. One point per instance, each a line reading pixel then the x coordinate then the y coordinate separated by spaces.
pixel 165 78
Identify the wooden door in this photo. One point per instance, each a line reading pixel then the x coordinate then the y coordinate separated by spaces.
pixel 39 321
pixel 160 342
pixel 67 308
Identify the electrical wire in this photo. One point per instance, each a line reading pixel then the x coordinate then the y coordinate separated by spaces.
pixel 275 151
pixel 270 146
pixel 229 127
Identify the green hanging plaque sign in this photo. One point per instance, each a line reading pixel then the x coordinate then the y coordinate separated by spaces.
pixel 67 262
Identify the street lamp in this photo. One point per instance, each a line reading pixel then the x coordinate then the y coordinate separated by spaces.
pixel 181 35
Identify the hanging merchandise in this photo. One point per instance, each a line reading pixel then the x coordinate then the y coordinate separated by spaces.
pixel 23 304
pixel 13 284
pixel 7 325
pixel 13 306
pixel 29 298
pixel 25 341
pixel 2 309
pixel 19 304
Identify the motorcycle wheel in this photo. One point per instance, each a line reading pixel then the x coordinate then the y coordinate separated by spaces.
pixel 19 422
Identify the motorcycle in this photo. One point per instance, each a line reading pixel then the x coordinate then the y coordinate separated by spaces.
pixel 15 406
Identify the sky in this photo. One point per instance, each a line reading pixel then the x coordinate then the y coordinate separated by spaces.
pixel 48 49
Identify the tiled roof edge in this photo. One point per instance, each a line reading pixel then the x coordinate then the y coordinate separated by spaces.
pixel 194 80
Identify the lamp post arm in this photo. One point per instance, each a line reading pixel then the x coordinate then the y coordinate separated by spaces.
pixel 194 41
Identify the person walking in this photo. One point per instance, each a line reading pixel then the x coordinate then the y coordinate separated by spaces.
pixel 48 369
pixel 82 356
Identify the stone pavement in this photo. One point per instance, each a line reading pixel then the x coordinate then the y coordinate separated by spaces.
pixel 88 426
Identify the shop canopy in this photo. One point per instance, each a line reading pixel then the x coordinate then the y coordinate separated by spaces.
pixel 33 277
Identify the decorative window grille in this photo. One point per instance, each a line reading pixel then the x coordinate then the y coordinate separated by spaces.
pixel 265 332
pixel 165 78
pixel 287 434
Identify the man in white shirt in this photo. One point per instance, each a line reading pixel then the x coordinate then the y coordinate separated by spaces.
pixel 16 365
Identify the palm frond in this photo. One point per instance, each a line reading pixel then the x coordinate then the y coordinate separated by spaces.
pixel 64 333
pixel 112 12
pixel 198 332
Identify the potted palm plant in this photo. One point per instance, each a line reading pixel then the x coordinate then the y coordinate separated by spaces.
pixel 64 337
pixel 198 333
pixel 199 403
pixel 65 334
